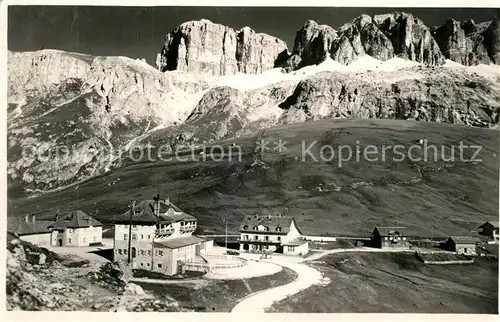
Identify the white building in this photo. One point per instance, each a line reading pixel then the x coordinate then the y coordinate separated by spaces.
pixel 30 229
pixel 76 229
pixel 272 234
pixel 160 237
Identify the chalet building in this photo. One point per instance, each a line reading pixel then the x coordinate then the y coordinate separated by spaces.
pixel 161 237
pixel 272 234
pixel 76 229
pixel 30 229
pixel 490 230
pixel 389 238
pixel 463 244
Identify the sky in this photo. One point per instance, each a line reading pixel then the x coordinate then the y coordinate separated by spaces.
pixel 139 32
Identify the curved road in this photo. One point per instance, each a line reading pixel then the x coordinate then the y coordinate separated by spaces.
pixel 258 302
pixel 306 277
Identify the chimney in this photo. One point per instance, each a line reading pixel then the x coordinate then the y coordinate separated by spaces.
pixel 26 218
pixel 167 201
pixel 156 205
pixel 33 219
pixel 90 221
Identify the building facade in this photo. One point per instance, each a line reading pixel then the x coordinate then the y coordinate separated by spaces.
pixel 466 245
pixel 160 237
pixel 76 229
pixel 278 234
pixel 490 230
pixel 389 238
pixel 30 229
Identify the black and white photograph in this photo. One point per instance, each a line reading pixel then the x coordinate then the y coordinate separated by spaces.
pixel 247 159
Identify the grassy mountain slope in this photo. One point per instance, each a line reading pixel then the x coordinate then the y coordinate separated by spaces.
pixel 430 198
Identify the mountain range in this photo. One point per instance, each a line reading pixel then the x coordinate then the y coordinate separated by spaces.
pixel 213 83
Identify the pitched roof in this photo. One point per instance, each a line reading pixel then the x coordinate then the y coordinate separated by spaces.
pixel 20 226
pixel 386 231
pixel 465 239
pixel 179 242
pixel 295 242
pixel 493 223
pixel 271 222
pixel 75 219
pixel 144 214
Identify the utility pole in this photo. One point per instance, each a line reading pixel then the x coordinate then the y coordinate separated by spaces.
pixel 225 221
pixel 132 210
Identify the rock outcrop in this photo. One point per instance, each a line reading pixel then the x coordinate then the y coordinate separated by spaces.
pixel 102 112
pixel 69 284
pixel 312 44
pixel 466 42
pixel 34 73
pixel 451 97
pixel 410 38
pixel 381 36
pixel 208 48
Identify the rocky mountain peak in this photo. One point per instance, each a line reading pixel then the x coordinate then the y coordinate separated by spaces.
pixel 210 48
pixel 398 34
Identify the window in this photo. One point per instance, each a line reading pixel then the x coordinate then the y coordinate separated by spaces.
pixel 404 238
pixel 142 236
pixel 266 238
pixel 69 240
pixel 278 228
pixel 159 252
pixel 245 227
pixel 159 265
pixel 134 237
pixel 125 236
pixel 124 252
pixel 255 228
pixel 148 264
pixel 142 264
pixel 149 236
pixel 279 238
pixel 149 252
pixel 142 252
pixel 245 237
pixel 70 230
pixel 386 238
pixel 291 248
pixel 134 226
pixel 119 251
pixel 255 237
pixel 266 228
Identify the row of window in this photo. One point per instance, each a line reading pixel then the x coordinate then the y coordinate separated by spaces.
pixel 159 265
pixel 71 230
pixel 134 236
pixel 256 237
pixel 94 239
pixel 141 252
pixel 257 228
pixel 394 238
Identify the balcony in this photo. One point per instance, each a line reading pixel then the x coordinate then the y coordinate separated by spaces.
pixel 164 232
pixel 261 241
pixel 188 228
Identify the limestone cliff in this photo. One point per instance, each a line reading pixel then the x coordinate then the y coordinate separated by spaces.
pixel 466 42
pixel 209 48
